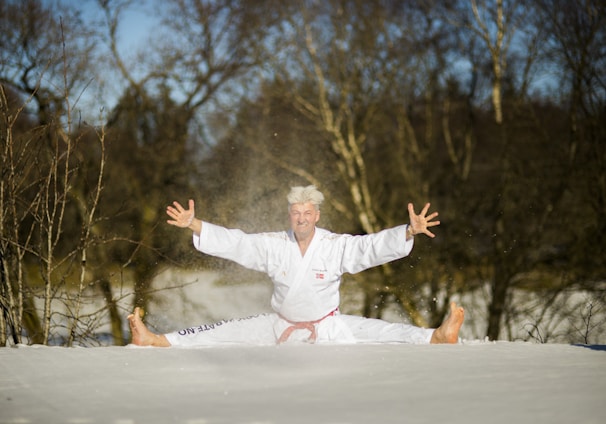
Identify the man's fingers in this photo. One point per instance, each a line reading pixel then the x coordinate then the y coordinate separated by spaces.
pixel 425 209
pixel 411 209
pixel 174 211
pixel 421 222
pixel 178 206
pixel 180 216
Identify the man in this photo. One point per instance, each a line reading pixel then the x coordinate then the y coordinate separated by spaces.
pixel 305 265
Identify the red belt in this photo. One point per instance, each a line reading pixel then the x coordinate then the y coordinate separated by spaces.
pixel 304 325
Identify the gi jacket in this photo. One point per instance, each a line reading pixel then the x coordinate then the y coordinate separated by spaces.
pixel 306 288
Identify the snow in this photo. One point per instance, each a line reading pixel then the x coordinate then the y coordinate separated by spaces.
pixel 471 382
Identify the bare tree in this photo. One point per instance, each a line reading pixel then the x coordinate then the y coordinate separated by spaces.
pixel 33 38
pixel 492 28
pixel 202 48
pixel 344 65
pixel 15 243
pixel 575 45
pixel 45 58
pixel 36 193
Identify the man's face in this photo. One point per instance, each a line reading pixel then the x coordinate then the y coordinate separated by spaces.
pixel 303 218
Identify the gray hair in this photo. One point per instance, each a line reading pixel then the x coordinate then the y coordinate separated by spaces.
pixel 309 194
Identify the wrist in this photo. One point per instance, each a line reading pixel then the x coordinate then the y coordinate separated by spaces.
pixel 409 231
pixel 191 220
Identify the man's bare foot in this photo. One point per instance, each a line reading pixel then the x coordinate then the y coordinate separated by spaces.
pixel 141 336
pixel 448 332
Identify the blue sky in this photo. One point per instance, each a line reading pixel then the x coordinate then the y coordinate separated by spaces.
pixel 135 27
pixel 135 24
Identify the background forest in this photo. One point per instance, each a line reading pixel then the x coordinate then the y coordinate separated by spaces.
pixel 494 111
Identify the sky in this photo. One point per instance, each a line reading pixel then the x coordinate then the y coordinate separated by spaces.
pixel 136 24
pixel 135 28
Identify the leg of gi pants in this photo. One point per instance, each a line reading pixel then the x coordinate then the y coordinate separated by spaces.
pixel 369 330
pixel 257 330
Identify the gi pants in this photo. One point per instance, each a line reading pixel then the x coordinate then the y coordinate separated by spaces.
pixel 266 329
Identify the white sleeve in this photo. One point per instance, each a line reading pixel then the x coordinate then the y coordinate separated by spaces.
pixel 370 250
pixel 245 249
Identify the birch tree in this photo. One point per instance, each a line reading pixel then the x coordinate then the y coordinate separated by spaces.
pixel 200 49
pixel 343 62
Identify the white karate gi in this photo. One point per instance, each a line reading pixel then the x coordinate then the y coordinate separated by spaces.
pixel 306 288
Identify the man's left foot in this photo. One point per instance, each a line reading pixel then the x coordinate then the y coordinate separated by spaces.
pixel 448 332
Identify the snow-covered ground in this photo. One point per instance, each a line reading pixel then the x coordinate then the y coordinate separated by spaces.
pixel 472 382
pixel 475 382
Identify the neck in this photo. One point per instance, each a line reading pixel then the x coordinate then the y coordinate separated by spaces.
pixel 304 240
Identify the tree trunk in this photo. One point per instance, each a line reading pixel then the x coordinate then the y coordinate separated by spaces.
pixel 496 308
pixel 31 320
pixel 114 314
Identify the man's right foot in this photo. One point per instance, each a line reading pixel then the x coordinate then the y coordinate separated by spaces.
pixel 141 336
